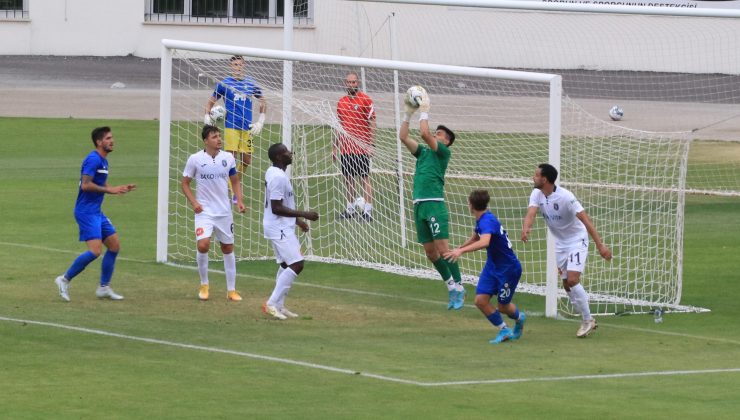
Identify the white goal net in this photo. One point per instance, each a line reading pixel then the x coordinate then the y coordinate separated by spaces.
pixel 632 182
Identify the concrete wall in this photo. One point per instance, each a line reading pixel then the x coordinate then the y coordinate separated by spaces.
pixel 439 34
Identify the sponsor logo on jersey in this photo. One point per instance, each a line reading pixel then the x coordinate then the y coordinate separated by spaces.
pixel 212 176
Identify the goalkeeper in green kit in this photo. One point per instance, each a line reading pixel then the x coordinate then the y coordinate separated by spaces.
pixel 430 210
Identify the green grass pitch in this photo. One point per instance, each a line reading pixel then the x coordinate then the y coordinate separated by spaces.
pixel 369 345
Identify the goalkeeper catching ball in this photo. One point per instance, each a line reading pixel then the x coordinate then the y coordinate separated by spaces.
pixel 430 211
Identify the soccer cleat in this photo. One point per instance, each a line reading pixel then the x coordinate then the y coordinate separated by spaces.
pixel 271 310
pixel 587 327
pixel 203 292
pixel 63 285
pixel 459 300
pixel 504 335
pixel 233 296
pixel 519 326
pixel 346 215
pixel 453 296
pixel 105 292
pixel 288 313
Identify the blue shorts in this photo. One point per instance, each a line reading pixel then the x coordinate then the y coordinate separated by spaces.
pixel 94 226
pixel 501 283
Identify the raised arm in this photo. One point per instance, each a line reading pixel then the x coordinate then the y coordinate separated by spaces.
pixel 605 252
pixel 528 221
pixel 403 135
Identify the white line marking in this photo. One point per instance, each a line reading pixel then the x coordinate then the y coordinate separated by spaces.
pixel 364 374
pixel 64 251
pixel 390 296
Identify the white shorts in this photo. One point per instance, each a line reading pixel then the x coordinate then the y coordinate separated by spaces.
pixel 287 249
pixel 573 259
pixel 223 226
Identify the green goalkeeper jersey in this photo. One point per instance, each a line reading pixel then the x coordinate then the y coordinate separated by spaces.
pixel 429 178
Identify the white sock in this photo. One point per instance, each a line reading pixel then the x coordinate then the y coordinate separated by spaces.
pixel 284 281
pixel 202 260
pixel 451 285
pixel 368 208
pixel 281 300
pixel 582 297
pixel 573 301
pixel 230 269
pixel 350 207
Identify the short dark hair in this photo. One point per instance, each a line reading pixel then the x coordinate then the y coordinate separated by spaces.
pixel 272 152
pixel 236 57
pixel 98 134
pixel 207 130
pixel 549 172
pixel 448 132
pixel 479 199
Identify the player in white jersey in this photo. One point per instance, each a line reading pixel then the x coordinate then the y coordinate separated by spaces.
pixel 212 169
pixel 570 225
pixel 279 222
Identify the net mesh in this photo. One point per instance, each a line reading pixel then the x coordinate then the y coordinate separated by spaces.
pixel 631 182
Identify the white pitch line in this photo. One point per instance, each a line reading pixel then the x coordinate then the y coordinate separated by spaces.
pixel 365 374
pixel 63 251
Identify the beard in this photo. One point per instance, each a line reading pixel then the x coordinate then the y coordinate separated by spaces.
pixel 352 91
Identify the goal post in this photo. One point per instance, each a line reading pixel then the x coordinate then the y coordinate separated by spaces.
pixel 507 122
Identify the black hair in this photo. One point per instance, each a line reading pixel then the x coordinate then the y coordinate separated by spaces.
pixel 449 133
pixel 236 57
pixel 272 152
pixel 549 172
pixel 479 199
pixel 207 130
pixel 98 134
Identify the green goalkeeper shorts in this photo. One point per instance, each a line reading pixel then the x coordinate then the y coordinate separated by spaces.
pixel 432 221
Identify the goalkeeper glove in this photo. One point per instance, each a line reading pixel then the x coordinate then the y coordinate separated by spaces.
pixel 410 110
pixel 256 128
pixel 207 120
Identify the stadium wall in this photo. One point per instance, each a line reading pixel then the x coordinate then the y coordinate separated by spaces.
pixel 116 28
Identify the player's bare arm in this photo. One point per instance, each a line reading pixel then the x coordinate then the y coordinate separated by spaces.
pixel 280 210
pixel 474 243
pixel 605 252
pixel 185 184
pixel 302 224
pixel 426 135
pixel 403 135
pixel 88 185
pixel 238 191
pixel 528 222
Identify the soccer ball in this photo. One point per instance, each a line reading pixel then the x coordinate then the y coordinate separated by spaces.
pixel 217 113
pixel 360 204
pixel 413 96
pixel 616 113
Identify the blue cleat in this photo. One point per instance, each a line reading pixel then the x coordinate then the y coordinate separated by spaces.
pixel 504 335
pixel 519 326
pixel 453 298
pixel 459 300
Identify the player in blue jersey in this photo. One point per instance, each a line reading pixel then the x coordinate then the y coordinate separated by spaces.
pixel 502 271
pixel 95 228
pixel 237 92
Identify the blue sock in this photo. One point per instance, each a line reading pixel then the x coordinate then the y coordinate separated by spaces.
pixel 79 264
pixel 495 319
pixel 515 315
pixel 109 263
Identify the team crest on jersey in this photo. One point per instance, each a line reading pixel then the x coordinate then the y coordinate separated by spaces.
pixel 198 231
pixel 555 206
pixel 356 107
pixel 223 162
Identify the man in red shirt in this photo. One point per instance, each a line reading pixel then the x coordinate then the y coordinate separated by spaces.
pixel 355 143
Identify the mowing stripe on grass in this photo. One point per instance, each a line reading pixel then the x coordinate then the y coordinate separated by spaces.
pixel 365 374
